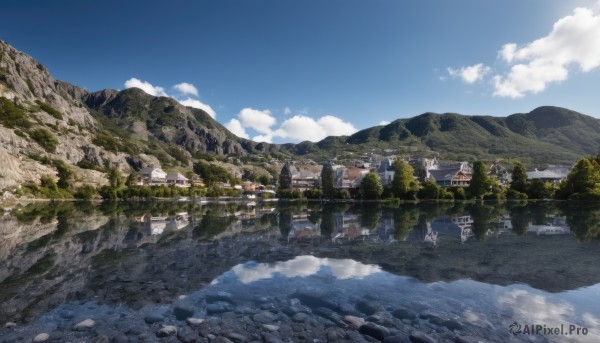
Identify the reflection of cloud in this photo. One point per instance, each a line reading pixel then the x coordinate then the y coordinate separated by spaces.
pixel 303 266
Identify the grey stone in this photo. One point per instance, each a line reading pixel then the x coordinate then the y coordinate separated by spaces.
pixel 300 317
pixel 220 339
pixel 396 338
pixel 183 311
pixel 264 317
pixel 166 331
pixel 219 307
pixel 237 337
pixel 194 321
pixel 42 337
pixel 270 327
pixel 84 325
pixel 452 324
pixel 187 335
pixel 153 318
pixel 270 338
pixel 10 325
pixel 220 296
pixel 368 307
pixel 376 331
pixel 120 339
pixel 403 313
pixel 335 334
pixel 100 339
pixel 420 337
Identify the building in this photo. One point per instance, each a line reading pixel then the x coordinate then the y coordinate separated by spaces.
pixel 386 171
pixel 349 178
pixel 300 177
pixel 554 175
pixel 153 176
pixel 177 179
pixel 451 174
pixel 248 186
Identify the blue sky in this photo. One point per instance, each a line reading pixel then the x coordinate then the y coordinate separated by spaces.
pixel 285 71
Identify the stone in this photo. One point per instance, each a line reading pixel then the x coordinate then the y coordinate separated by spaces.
pixel 354 322
pixel 42 337
pixel 300 317
pixel 270 338
pixel 84 325
pixel 219 307
pixel 187 335
pixel 403 313
pixel 452 324
pixel 376 331
pixel 153 318
pixel 183 311
pixel 220 339
pixel 220 296
pixel 166 331
pixel 264 317
pixel 368 307
pixel 270 327
pixel 100 339
pixel 10 325
pixel 120 339
pixel 335 334
pixel 397 339
pixel 420 337
pixel 237 337
pixel 194 321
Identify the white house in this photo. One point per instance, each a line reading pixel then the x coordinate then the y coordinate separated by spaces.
pixel 153 176
pixel 177 179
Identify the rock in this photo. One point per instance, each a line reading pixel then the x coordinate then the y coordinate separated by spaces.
pixel 270 338
pixel 368 307
pixel 420 337
pixel 403 313
pixel 452 324
pixel 264 317
pixel 166 331
pixel 300 317
pixel 220 296
pixel 354 322
pixel 183 311
pixel 135 162
pixel 270 327
pixel 84 325
pixel 99 339
pixel 10 325
pixel 219 307
pixel 397 339
pixel 237 337
pixel 194 321
pixel 433 318
pixel 376 331
pixel 120 339
pixel 187 335
pixel 335 334
pixel 42 337
pixel 153 318
pixel 220 339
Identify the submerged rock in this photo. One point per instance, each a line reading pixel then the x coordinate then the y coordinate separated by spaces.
pixel 42 337
pixel 166 331
pixel 84 325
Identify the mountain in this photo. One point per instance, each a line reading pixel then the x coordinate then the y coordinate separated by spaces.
pixel 43 120
pixel 542 136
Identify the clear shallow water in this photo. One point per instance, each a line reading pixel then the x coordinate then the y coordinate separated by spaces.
pixel 451 272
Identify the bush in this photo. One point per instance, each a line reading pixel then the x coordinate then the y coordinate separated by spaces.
pixel 289 194
pixel 85 192
pixel 50 110
pixel 514 195
pixel 313 194
pixel 341 194
pixel 12 115
pixel 45 139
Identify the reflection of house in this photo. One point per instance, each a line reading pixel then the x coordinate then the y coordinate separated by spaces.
pixel 451 174
pixel 178 180
pixel 302 227
pixel 153 176
pixel 248 186
pixel 348 178
pixel 554 175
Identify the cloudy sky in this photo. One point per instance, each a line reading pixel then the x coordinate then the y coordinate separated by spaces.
pixel 287 71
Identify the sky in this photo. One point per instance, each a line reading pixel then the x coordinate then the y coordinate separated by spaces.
pixel 290 70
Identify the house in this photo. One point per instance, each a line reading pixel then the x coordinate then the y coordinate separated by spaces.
pixel 386 171
pixel 349 178
pixel 153 176
pixel 248 186
pixel 451 174
pixel 197 181
pixel 554 175
pixel 177 179
pixel 301 177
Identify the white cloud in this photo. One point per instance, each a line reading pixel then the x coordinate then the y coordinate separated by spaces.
pixel 145 86
pixel 384 122
pixel 287 111
pixel 470 74
pixel 302 128
pixel 268 138
pixel 260 121
pixel 186 88
pixel 236 128
pixel 572 41
pixel 199 105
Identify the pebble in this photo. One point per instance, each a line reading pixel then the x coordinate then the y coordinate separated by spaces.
pixel 194 321
pixel 376 331
pixel 271 327
pixel 183 311
pixel 84 325
pixel 420 337
pixel 187 335
pixel 237 337
pixel 42 337
pixel 300 317
pixel 10 325
pixel 403 313
pixel 264 317
pixel 153 318
pixel 166 331
pixel 354 322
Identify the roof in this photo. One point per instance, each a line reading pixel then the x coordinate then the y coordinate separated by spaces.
pixel 176 176
pixel 443 174
pixel 546 174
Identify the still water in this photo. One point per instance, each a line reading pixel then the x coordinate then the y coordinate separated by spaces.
pixel 246 272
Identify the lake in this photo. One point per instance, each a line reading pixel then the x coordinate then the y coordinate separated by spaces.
pixel 246 272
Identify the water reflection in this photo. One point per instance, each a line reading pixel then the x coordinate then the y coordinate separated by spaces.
pixel 140 253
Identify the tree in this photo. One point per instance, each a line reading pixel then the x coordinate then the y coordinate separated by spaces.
pixel 403 184
pixel 583 182
pixel 131 179
pixel 429 190
pixel 114 178
pixel 327 179
pixel 264 179
pixel 519 178
pixel 371 187
pixel 480 182
pixel 65 174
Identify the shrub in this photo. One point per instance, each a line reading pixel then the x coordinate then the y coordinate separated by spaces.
pixel 50 110
pixel 45 139
pixel 12 115
pixel 313 194
pixel 85 192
